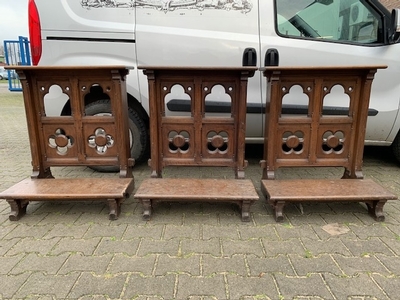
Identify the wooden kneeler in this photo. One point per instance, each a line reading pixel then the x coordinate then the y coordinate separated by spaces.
pixel 320 137
pixel 198 139
pixel 75 139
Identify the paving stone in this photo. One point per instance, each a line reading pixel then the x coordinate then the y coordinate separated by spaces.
pixel 291 246
pixel 393 244
pixel 81 263
pixel 269 265
pixel 69 230
pixel 299 287
pixel 178 265
pixel 223 265
pixel 55 207
pixel 111 246
pixel 38 263
pixel 391 263
pixel 71 245
pixel 157 286
pixel 223 232
pixel 6 245
pixel 10 284
pixel 266 232
pixel 301 231
pixel 8 263
pixel 358 287
pixel 154 232
pixel 189 232
pixel 211 246
pixel 23 230
pixel 308 265
pixel 261 287
pixel 54 285
pixel 121 263
pixel 147 247
pixel 6 229
pixel 232 247
pixel 352 266
pixel 388 285
pixel 30 245
pixel 370 246
pixel 331 246
pixel 97 230
pixel 376 230
pixel 193 218
pixel 189 286
pixel 105 284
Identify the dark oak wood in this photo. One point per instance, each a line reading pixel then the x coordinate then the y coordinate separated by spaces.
pixel 198 139
pixel 114 190
pixel 310 190
pixel 177 189
pixel 318 138
pixel 75 139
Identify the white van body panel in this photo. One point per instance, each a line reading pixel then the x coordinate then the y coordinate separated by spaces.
pixel 209 33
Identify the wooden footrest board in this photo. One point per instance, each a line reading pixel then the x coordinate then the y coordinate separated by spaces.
pixel 309 190
pixel 115 190
pixel 240 191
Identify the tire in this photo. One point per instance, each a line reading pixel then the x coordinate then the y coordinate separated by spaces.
pixel 396 147
pixel 1 77
pixel 138 133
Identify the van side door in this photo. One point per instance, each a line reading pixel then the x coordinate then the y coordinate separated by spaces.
pixel 337 32
pixel 200 33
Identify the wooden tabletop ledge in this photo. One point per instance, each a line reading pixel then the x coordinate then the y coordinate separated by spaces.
pixel 240 191
pixel 358 190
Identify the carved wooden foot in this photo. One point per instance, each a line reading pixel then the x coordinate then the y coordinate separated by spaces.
pixel 278 206
pixel 147 209
pixel 375 209
pixel 246 211
pixel 18 209
pixel 114 206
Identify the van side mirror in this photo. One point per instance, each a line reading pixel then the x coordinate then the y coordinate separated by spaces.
pixel 395 26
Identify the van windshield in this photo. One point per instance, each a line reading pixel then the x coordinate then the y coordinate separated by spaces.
pixel 334 20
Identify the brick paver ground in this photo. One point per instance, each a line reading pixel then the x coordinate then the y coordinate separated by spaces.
pixel 70 250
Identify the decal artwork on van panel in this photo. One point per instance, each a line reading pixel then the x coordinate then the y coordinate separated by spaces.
pixel 171 5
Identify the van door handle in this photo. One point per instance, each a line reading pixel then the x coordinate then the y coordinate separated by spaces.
pixel 249 57
pixel 271 57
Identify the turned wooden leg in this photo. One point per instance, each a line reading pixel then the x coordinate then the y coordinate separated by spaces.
pixel 147 209
pixel 375 209
pixel 246 211
pixel 18 208
pixel 278 206
pixel 114 206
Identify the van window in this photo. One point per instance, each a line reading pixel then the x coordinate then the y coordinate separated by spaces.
pixel 330 20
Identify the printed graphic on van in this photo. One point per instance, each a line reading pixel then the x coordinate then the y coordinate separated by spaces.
pixel 170 5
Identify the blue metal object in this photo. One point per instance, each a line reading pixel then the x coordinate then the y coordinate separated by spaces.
pixel 17 54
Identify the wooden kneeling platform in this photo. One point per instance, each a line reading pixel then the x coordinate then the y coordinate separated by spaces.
pixel 278 192
pixel 240 191
pixel 114 190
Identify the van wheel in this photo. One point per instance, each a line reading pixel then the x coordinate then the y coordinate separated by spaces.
pixel 138 134
pixel 396 147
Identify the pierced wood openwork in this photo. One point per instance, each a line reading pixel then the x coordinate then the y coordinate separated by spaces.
pixel 200 138
pixel 74 138
pixel 329 133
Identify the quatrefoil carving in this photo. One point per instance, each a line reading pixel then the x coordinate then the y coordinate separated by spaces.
pixel 60 141
pixel 100 141
pixel 332 142
pixel 217 142
pixel 178 141
pixel 292 142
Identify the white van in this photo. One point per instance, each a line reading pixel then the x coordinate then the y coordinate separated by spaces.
pixel 222 33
